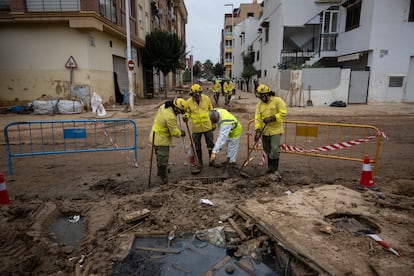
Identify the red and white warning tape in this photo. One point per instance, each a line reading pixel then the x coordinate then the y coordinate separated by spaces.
pixel 335 146
pixel 384 244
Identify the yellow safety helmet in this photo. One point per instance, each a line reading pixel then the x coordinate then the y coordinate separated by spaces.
pixel 180 104
pixel 195 89
pixel 262 89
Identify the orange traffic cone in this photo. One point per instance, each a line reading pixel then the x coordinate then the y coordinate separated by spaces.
pixel 4 197
pixel 366 181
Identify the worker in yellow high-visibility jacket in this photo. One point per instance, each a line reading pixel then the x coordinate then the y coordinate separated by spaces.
pixel 269 115
pixel 199 105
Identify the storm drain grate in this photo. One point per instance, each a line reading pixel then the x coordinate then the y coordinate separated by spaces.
pixel 208 179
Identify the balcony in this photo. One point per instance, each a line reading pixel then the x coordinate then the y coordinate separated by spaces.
pixel 325 47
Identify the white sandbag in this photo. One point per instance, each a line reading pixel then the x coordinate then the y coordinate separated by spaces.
pixel 45 107
pixel 70 107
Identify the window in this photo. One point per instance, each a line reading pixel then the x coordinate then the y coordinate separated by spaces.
pixel 133 12
pixel 52 5
pixel 147 30
pixel 258 55
pixel 411 15
pixel 140 19
pixel 5 5
pixel 250 14
pixel 107 9
pixel 396 82
pixel 353 15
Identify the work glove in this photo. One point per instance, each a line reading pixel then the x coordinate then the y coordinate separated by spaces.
pixel 213 157
pixel 257 135
pixel 269 119
pixel 185 119
pixel 182 133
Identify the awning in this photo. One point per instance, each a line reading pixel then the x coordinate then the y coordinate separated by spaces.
pixel 349 57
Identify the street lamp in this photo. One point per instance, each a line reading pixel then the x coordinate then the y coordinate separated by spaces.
pixel 232 33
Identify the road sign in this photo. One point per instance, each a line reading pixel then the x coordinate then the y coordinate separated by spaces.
pixel 71 63
pixel 131 64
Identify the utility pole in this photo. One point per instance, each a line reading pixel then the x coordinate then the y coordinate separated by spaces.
pixel 130 62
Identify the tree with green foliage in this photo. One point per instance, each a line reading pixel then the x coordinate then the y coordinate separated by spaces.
pixel 207 69
pixel 248 68
pixel 197 68
pixel 218 69
pixel 163 51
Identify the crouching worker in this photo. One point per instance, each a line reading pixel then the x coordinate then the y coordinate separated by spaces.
pixel 230 130
pixel 164 128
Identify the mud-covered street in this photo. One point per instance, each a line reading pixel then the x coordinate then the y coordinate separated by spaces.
pixel 104 187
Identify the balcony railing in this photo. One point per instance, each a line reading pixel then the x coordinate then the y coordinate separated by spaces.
pixel 328 42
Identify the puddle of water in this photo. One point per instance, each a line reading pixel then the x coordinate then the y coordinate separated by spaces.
pixel 68 231
pixel 195 258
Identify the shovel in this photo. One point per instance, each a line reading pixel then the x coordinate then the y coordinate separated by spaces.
pixel 152 154
pixel 249 158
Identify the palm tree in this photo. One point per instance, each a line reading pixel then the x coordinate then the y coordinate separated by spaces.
pixel 164 52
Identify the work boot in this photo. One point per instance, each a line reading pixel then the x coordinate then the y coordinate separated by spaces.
pixel 270 166
pixel 162 171
pixel 233 165
pixel 274 166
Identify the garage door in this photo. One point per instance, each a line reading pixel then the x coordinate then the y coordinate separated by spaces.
pixel 121 71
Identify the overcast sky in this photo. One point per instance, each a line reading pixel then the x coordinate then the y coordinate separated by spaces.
pixel 205 22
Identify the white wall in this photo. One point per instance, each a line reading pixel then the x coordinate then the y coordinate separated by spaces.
pixel 391 32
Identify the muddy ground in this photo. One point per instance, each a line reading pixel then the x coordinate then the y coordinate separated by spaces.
pixel 103 187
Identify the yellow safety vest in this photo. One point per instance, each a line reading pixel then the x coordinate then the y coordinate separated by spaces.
pixel 199 114
pixel 164 126
pixel 275 106
pixel 228 87
pixel 216 86
pixel 228 118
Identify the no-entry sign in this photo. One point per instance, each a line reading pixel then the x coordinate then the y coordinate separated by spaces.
pixel 131 64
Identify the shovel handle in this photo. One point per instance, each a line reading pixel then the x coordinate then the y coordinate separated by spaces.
pixel 152 154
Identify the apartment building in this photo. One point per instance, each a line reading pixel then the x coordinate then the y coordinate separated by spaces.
pixel 63 47
pixel 371 38
pixel 237 15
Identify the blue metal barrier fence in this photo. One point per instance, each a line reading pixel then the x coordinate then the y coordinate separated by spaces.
pixel 69 136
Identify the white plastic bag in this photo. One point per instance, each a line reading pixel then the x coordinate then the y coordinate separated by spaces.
pixel 96 104
pixel 213 235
